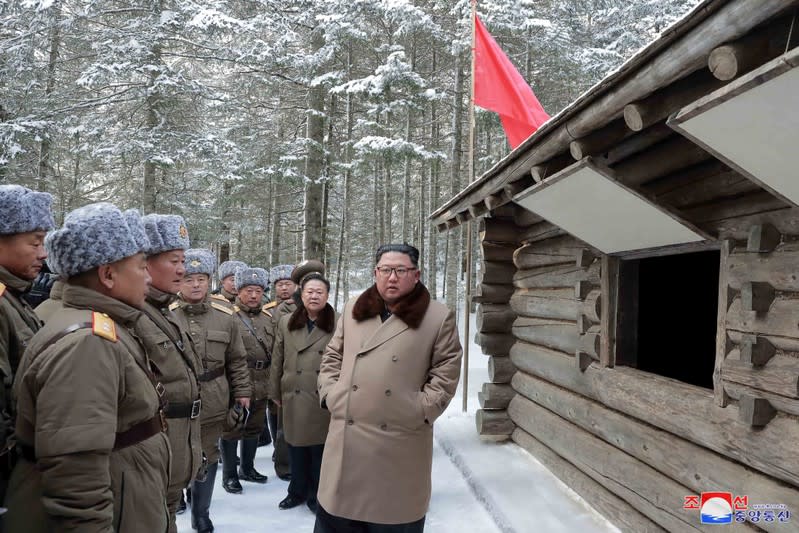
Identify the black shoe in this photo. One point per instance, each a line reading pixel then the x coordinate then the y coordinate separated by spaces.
pixel 252 475
pixel 291 501
pixel 205 526
pixel 188 495
pixel 232 485
pixel 285 477
pixel 181 505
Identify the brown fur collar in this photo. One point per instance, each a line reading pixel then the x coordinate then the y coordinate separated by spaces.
pixel 411 309
pixel 326 321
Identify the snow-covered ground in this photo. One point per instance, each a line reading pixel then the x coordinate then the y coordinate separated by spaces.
pixel 478 487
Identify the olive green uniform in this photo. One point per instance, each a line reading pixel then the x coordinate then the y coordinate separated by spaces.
pixel 53 304
pixel 177 366
pixel 93 455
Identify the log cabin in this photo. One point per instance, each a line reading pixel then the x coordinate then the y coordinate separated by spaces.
pixel 638 288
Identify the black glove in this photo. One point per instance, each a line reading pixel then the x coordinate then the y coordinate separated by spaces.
pixel 40 289
pixel 236 417
pixel 202 472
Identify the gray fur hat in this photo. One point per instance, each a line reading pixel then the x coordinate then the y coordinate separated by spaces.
pixel 166 232
pixel 276 273
pixel 200 261
pixel 24 210
pixel 252 276
pixel 229 268
pixel 94 235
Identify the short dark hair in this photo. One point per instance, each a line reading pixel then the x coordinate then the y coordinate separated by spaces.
pixel 405 248
pixel 314 276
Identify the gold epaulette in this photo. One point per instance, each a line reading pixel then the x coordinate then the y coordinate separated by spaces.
pixel 265 311
pixel 174 305
pixel 220 307
pixel 219 297
pixel 236 309
pixel 270 305
pixel 2 289
pixel 103 326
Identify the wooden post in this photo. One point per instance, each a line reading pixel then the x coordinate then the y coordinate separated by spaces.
pixel 609 304
pixel 722 345
pixel 467 306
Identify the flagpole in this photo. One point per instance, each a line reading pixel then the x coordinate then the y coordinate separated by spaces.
pixel 469 226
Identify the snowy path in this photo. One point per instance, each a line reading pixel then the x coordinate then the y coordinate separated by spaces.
pixel 478 487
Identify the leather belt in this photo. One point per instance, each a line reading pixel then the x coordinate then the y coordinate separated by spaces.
pixel 209 375
pixel 257 364
pixel 184 410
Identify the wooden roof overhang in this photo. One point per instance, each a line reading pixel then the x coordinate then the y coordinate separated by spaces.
pixel 622 121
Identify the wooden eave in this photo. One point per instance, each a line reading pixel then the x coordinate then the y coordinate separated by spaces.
pixel 681 51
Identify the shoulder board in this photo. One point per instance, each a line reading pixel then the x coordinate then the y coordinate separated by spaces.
pixel 270 305
pixel 222 308
pixel 236 309
pixel 219 297
pixel 174 305
pixel 266 312
pixel 2 289
pixel 103 326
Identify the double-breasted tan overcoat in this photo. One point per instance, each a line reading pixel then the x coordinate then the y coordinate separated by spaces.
pixel 385 383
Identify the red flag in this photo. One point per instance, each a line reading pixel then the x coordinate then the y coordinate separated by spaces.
pixel 499 87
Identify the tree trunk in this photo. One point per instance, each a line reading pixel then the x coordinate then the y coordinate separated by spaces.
pixel 152 104
pixel 224 244
pixel 454 261
pixel 45 170
pixel 341 271
pixel 312 243
pixel 435 165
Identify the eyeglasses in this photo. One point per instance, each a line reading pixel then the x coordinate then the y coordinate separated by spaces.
pixel 401 272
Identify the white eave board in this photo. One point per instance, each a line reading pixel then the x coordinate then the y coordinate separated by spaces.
pixel 587 202
pixel 752 124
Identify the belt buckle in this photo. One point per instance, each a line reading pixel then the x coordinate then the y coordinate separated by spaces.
pixel 196 407
pixel 260 364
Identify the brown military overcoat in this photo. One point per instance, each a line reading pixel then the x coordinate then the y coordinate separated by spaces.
pixel 385 383
pixel 74 395
pixel 258 353
pixel 296 359
pixel 224 374
pixel 53 304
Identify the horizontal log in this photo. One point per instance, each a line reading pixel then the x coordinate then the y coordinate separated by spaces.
pixel 556 277
pixel 701 184
pixel 779 376
pixel 786 344
pixel 506 211
pixel 744 205
pixel 736 58
pixel 494 318
pixel 592 306
pixel 778 268
pixel 660 160
pixel 557 334
pixel 693 466
pixel 548 168
pixel 599 141
pixel 498 252
pixel 496 396
pixel 555 251
pixel 590 342
pixel 781 403
pixel 492 294
pixel 545 303
pixel 763 238
pixel 785 219
pixel 525 218
pixel 638 484
pixel 688 412
pixel 500 369
pixel 662 103
pixel 497 272
pixel 478 210
pixel 617 511
pixel 498 230
pixel 539 232
pixel 493 423
pixel 637 143
pixel 781 320
pixel 495 343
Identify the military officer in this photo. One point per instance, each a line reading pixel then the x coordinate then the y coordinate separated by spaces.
pixel 172 352
pixel 224 369
pixel 93 455
pixel 256 328
pixel 25 219
pixel 227 279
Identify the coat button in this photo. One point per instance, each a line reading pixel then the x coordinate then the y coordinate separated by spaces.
pixel 317 372
pixel 296 391
pixel 299 371
pixel 384 426
pixel 355 387
pixel 350 422
pixel 388 392
pixel 394 358
pixel 321 352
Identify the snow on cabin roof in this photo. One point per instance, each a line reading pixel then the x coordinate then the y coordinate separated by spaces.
pixel 600 104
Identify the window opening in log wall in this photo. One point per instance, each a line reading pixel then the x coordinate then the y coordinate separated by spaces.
pixel 667 316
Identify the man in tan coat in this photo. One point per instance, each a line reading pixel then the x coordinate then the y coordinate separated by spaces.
pixel 172 352
pixel 25 217
pixel 255 326
pixel 93 455
pixel 389 371
pixel 224 369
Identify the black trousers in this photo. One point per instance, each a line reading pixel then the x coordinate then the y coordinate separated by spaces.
pixel 306 464
pixel 327 523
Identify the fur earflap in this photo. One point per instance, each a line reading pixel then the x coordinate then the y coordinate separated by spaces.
pixel 326 320
pixel 411 309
